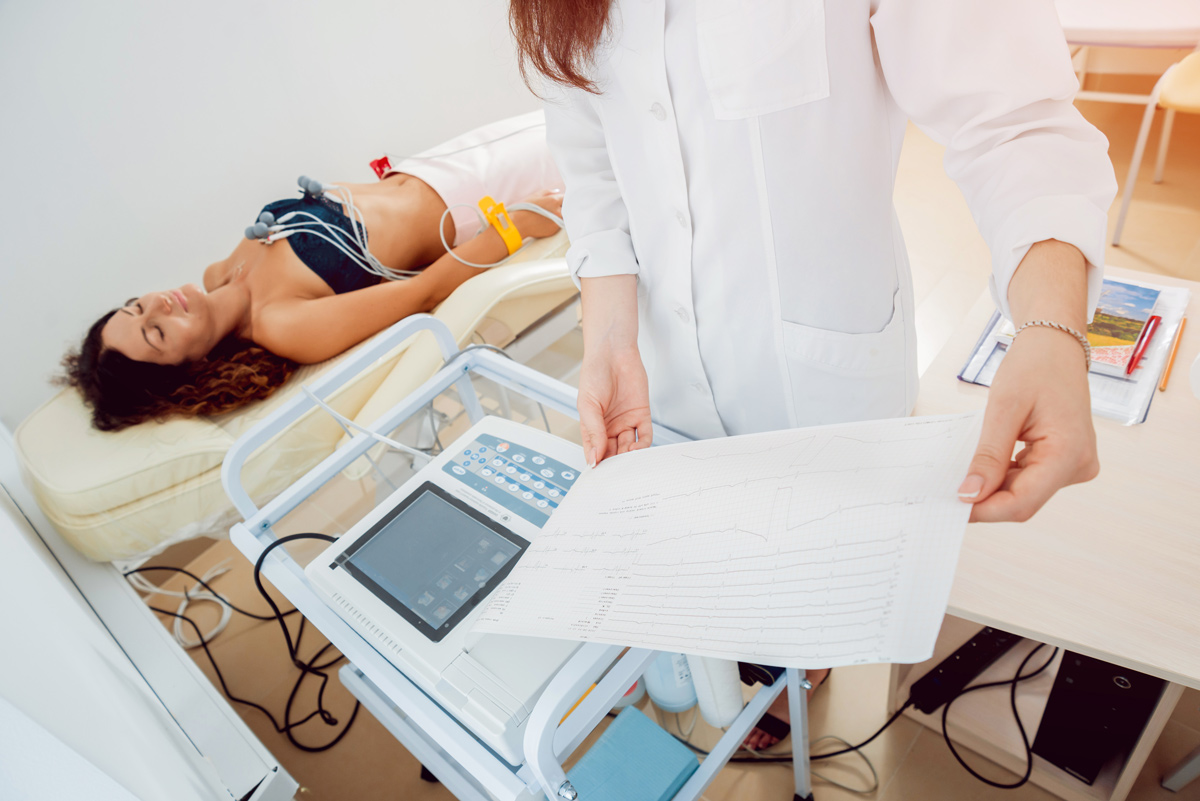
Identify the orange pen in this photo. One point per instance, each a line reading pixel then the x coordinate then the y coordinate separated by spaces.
pixel 1171 359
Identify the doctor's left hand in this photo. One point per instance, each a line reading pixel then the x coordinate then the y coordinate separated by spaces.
pixel 1039 397
pixel 614 394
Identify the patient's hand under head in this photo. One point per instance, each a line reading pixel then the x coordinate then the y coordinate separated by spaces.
pixel 170 353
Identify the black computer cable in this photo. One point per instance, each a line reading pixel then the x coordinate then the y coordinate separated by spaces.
pixel 1016 679
pixel 1012 698
pixel 206 586
pixel 306 667
pixel 769 758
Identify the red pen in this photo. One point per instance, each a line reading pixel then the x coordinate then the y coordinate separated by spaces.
pixel 1143 343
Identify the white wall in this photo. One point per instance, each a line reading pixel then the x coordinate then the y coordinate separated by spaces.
pixel 138 138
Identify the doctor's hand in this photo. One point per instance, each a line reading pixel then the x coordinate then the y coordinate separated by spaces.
pixel 614 394
pixel 614 403
pixel 1039 397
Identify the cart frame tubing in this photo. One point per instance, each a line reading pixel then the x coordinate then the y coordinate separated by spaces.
pixel 465 765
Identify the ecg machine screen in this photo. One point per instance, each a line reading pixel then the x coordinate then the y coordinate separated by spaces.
pixel 432 559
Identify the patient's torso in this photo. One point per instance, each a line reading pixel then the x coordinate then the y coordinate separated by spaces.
pixel 401 215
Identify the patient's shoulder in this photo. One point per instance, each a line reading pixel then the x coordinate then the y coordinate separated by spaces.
pixel 216 274
pixel 281 328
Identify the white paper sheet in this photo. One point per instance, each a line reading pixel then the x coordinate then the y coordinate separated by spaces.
pixel 815 547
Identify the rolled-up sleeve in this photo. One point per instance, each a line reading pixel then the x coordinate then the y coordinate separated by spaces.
pixel 993 83
pixel 593 209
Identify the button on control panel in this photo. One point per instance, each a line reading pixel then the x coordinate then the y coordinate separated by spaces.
pixel 522 480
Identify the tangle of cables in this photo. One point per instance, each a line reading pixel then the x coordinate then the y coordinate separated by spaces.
pixel 312 666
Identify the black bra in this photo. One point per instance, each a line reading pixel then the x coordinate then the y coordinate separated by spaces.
pixel 331 265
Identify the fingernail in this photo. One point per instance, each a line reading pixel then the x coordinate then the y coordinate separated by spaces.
pixel 971 487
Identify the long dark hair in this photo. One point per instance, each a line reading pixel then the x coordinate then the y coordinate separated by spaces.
pixel 123 392
pixel 558 38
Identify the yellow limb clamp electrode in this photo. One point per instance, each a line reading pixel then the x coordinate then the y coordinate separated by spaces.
pixel 497 215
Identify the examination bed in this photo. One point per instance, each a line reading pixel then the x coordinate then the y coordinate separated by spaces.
pixel 129 494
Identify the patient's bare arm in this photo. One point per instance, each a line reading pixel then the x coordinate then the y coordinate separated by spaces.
pixel 313 330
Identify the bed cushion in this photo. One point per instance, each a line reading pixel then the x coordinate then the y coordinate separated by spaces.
pixel 121 494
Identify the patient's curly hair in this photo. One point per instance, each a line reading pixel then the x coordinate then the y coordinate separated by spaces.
pixel 124 392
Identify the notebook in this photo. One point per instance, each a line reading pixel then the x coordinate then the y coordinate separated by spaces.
pixel 1118 325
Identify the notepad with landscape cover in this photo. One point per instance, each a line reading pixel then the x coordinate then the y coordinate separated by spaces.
pixel 1118 324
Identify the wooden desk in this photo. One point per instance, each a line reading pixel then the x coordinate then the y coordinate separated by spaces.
pixel 1110 568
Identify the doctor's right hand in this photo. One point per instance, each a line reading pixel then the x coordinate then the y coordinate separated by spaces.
pixel 614 394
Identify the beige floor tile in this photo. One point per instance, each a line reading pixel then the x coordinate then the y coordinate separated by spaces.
pixel 1187 711
pixel 930 773
pixel 1176 742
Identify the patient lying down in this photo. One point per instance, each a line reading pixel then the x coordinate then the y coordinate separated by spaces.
pixel 299 300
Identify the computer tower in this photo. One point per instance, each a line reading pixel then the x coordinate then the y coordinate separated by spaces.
pixel 1095 711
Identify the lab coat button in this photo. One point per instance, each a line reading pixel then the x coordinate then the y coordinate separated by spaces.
pixel 683 315
pixel 698 387
pixel 658 111
pixel 681 218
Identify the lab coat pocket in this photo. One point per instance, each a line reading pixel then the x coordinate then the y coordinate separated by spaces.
pixel 760 56
pixel 838 377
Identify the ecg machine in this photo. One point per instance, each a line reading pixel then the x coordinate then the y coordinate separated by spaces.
pixel 412 576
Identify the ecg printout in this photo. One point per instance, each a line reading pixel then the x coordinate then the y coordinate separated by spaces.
pixel 813 547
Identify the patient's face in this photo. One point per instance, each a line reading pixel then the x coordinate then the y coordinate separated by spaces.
pixel 169 327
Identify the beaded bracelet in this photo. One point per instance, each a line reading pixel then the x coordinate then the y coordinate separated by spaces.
pixel 1087 348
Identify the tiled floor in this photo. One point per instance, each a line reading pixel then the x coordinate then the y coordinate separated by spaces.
pixel 950 266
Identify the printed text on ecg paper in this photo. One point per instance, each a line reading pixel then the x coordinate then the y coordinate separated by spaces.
pixel 813 547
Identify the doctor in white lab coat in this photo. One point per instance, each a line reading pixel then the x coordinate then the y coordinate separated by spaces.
pixel 729 168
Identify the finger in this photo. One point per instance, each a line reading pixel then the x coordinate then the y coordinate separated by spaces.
pixel 625 441
pixel 643 436
pixel 1002 421
pixel 611 447
pixel 591 430
pixel 1024 491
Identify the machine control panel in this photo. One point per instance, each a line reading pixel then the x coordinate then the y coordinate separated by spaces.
pixel 522 480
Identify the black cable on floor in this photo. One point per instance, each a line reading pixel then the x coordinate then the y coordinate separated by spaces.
pixel 309 667
pixel 1012 698
pixel 767 759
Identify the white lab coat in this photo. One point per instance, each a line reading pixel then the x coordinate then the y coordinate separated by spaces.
pixel 741 161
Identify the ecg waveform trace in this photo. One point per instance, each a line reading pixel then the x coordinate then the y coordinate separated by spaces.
pixel 813 547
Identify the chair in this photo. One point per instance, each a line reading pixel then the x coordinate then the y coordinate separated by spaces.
pixel 1177 90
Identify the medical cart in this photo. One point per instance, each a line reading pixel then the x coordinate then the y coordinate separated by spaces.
pixel 468 768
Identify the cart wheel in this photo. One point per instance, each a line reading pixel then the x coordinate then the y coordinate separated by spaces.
pixel 427 776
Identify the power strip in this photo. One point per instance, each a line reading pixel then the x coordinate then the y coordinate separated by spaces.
pixel 956 671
